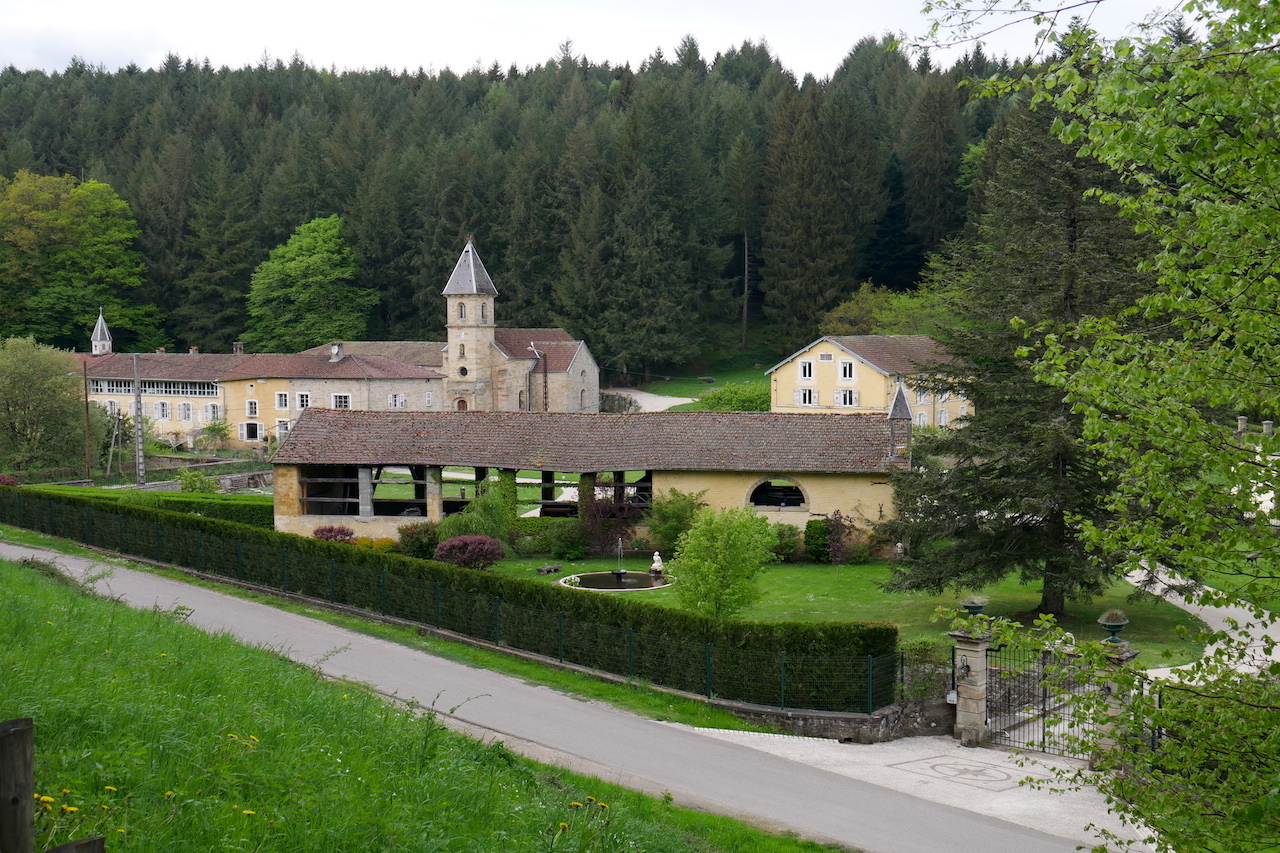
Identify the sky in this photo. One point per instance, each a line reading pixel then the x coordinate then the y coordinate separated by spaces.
pixel 807 36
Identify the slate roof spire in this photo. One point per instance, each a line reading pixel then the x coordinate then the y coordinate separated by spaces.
pixel 469 276
pixel 100 341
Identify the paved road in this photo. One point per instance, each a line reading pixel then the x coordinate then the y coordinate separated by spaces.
pixel 706 771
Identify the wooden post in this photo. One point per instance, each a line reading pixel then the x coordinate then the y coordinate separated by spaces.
pixel 84 845
pixel 17 786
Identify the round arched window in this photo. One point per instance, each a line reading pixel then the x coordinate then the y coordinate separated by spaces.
pixel 778 492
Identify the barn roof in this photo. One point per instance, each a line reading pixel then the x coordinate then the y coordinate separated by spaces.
pixel 551 441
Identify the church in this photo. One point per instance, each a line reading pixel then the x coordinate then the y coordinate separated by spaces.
pixel 492 369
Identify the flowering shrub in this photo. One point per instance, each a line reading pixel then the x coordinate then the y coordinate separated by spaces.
pixel 334 533
pixel 7 480
pixel 419 539
pixel 470 552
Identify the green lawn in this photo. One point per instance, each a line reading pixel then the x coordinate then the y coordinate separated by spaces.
pixel 811 593
pixel 732 367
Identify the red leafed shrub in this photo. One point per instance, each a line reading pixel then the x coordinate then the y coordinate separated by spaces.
pixel 470 552
pixel 6 480
pixel 334 533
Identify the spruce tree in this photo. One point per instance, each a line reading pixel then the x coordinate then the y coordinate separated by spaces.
pixel 1001 492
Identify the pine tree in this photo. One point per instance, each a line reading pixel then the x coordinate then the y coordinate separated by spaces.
pixel 1001 494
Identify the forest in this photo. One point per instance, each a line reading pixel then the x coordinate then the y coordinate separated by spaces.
pixel 659 213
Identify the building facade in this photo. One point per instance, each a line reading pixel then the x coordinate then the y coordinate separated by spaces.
pixel 862 374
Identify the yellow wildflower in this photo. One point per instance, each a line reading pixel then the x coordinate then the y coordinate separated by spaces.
pixel 575 805
pixel 109 788
pixel 248 811
pixel 46 799
pixel 603 805
pixel 67 809
pixel 564 827
pixel 168 794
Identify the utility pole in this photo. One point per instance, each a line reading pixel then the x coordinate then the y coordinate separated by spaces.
pixel 139 450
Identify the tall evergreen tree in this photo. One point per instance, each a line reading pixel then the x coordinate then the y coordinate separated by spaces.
pixel 1001 494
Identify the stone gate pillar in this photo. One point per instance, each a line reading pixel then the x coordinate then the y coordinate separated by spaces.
pixel 1122 656
pixel 971 687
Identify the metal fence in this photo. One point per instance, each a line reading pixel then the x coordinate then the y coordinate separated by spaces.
pixel 857 683
pixel 1030 696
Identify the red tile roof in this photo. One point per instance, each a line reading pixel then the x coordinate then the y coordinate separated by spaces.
pixel 181 366
pixel 268 365
pixel 664 441
pixel 893 355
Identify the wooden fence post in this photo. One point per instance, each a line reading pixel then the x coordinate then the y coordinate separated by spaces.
pixel 17 786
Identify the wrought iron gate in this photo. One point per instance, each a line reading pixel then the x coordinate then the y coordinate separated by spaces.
pixel 1029 700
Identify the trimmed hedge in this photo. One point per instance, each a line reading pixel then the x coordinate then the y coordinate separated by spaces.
pixel 255 510
pixel 845 666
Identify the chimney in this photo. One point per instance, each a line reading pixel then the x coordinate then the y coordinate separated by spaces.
pixel 194 351
pixel 159 349
pixel 237 348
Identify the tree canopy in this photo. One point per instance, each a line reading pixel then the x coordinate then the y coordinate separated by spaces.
pixel 718 560
pixel 41 408
pixel 304 294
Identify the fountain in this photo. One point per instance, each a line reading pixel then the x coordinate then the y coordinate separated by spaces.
pixel 620 578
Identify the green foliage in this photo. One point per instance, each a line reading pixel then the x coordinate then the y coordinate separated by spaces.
pixel 719 558
pixel 566 539
pixel 275 729
pixel 790 545
pixel 670 516
pixel 334 533
pixel 190 480
pixel 68 249
pixel 817 535
pixel 489 514
pixel 860 314
pixel 738 397
pixel 305 294
pixel 41 408
pixel 419 539
pixel 404 587
pixel 214 434
pixel 255 510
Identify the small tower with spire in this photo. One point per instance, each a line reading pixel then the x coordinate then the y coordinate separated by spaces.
pixel 100 341
pixel 470 296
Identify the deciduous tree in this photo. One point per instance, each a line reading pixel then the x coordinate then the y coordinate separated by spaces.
pixel 719 560
pixel 304 294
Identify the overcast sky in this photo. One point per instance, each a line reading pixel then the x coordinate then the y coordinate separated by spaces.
pixel 808 36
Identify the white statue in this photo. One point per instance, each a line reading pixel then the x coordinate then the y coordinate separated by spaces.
pixel 657 562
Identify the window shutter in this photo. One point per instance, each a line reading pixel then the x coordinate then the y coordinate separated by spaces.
pixel 242 432
pixel 796 395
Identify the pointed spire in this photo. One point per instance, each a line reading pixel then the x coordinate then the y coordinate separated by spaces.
pixel 469 276
pixel 100 341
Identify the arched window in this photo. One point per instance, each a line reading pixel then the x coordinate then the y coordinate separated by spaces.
pixel 462 310
pixel 520 401
pixel 462 350
pixel 778 492
pixel 482 312
pixel 582 399
pixel 461 405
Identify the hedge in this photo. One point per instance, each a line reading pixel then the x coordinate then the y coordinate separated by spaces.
pixel 846 666
pixel 256 510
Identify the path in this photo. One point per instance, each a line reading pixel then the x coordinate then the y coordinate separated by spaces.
pixel 646 401
pixel 917 795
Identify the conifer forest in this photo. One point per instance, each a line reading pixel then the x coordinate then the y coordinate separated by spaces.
pixel 657 212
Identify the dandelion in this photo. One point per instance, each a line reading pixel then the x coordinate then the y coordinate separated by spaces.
pixel 254 739
pixel 575 805
pixel 109 788
pixel 168 794
pixel 604 806
pixel 46 799
pixel 66 809
pixel 591 799
pixel 121 831
pixel 248 811
pixel 66 790
pixel 564 827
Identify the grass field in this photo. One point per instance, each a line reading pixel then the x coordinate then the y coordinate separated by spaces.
pixel 811 592
pixel 732 367
pixel 162 737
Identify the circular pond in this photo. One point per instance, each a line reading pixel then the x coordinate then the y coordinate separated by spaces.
pixel 616 580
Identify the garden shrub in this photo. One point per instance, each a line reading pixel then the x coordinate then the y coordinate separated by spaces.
pixel 840 533
pixel 7 480
pixel 419 539
pixel 140 497
pixel 670 516
pixel 566 540
pixel 489 514
pixel 816 536
pixel 789 544
pixel 334 533
pixel 190 480
pixel 470 552
pixel 382 544
pixel 738 397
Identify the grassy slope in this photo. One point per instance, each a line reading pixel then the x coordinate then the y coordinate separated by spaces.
pixel 163 737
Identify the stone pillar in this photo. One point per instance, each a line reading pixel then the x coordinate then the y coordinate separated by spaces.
pixel 1121 657
pixel 619 486
pixel 971 687
pixel 434 493
pixel 364 477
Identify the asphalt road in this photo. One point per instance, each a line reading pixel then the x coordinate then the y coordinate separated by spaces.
pixel 699 770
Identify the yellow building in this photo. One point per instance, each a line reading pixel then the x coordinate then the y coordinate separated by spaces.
pixel 861 374
pixel 788 468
